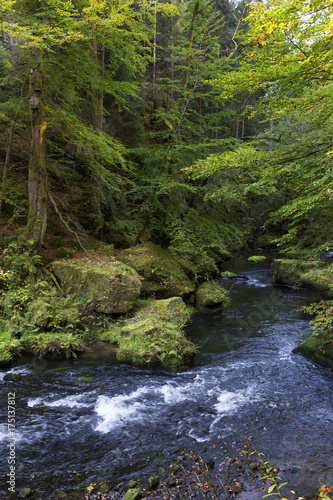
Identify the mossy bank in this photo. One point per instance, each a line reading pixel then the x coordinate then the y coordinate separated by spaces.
pixel 317 275
pixel 136 300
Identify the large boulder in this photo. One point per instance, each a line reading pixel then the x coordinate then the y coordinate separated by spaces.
pixel 154 336
pixel 315 274
pixel 107 286
pixel 318 346
pixel 289 271
pixel 211 297
pixel 162 276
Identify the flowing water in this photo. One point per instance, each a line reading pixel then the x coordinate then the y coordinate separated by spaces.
pixel 246 375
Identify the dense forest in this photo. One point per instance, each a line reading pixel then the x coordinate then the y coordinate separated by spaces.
pixel 143 143
pixel 203 127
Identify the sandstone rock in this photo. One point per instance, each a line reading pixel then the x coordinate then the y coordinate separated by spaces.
pixel 211 297
pixel 162 276
pixel 108 286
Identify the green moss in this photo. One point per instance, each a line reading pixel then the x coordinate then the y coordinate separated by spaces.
pixel 211 297
pixel 154 336
pixel 133 494
pixel 315 274
pixel 57 345
pixel 162 275
pixel 228 274
pixel 107 286
pixel 87 379
pixel 64 253
pixel 319 346
pixel 256 258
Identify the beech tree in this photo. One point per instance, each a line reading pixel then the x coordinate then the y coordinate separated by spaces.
pixel 288 58
pixel 62 46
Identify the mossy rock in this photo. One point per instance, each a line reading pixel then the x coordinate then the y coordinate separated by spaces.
pixel 106 286
pixel 289 271
pixel 256 258
pixel 58 494
pixel 154 481
pixel 162 276
pixel 314 274
pixel 26 493
pixel 320 279
pixel 13 377
pixel 154 336
pixel 211 297
pixel 64 253
pixel 194 262
pixel 88 379
pixel 108 251
pixel 318 346
pixel 133 494
pixel 228 274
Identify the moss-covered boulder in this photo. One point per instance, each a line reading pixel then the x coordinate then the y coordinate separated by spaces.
pixel 315 274
pixel 211 297
pixel 195 262
pixel 289 271
pixel 133 494
pixel 64 253
pixel 108 286
pixel 162 275
pixel 319 346
pixel 154 335
pixel 320 279
pixel 256 258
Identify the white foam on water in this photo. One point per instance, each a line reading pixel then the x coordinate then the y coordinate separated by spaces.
pixel 118 410
pixel 34 402
pixel 231 402
pixel 70 402
pixel 73 401
pixel 3 432
pixel 173 393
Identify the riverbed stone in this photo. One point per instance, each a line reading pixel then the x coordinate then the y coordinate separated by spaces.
pixel 133 494
pixel 211 297
pixel 318 346
pixel 26 493
pixel 154 335
pixel 162 275
pixel 154 481
pixel 105 285
pixel 58 494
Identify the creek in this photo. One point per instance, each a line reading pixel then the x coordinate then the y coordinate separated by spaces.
pixel 245 377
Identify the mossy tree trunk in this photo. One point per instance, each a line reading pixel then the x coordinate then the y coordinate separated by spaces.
pixel 37 216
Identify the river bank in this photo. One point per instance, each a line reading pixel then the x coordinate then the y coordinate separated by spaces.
pixel 88 421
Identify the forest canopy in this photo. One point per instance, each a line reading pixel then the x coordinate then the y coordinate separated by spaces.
pixel 131 120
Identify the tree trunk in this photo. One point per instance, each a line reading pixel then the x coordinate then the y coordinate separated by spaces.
pixel 37 217
pixel 196 11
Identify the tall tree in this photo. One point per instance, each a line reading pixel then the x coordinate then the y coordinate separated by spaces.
pixel 54 39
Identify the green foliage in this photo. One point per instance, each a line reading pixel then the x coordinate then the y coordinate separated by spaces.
pixel 323 312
